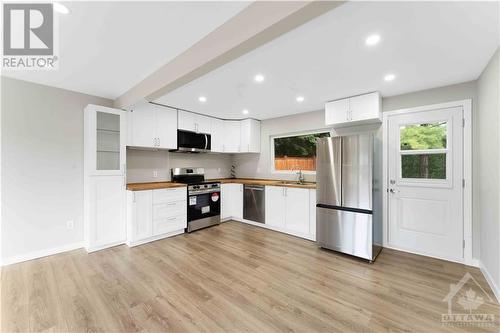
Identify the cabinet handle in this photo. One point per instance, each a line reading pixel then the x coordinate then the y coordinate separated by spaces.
pixel 159 142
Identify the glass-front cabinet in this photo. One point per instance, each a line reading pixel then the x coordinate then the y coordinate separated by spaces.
pixel 105 140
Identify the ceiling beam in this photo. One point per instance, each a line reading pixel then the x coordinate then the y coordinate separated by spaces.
pixel 257 24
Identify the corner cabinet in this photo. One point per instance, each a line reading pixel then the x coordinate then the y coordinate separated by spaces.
pixel 104 177
pixel 235 136
pixel 152 126
pixel 357 110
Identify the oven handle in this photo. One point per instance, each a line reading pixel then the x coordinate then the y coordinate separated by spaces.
pixel 206 141
pixel 202 192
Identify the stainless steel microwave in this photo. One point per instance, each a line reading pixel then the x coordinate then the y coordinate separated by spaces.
pixel 190 142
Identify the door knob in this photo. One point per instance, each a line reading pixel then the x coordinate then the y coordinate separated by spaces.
pixel 392 190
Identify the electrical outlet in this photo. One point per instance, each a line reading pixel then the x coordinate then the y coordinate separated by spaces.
pixel 155 174
pixel 70 224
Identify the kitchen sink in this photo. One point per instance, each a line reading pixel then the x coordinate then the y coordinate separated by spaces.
pixel 291 182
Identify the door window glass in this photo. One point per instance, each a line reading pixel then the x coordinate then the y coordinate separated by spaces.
pixel 423 136
pixel 423 150
pixel 430 166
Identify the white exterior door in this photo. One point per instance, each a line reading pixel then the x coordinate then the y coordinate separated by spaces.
pixel 425 174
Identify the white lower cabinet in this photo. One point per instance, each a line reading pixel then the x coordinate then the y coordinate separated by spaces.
pixel 155 214
pixel 275 206
pixel 232 201
pixel 105 212
pixel 289 209
pixel 297 210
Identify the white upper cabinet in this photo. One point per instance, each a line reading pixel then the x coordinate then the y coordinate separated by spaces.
pixel 250 136
pixel 166 127
pixel 189 121
pixel 153 126
pixel 104 142
pixel 232 136
pixel 357 110
pixel 217 130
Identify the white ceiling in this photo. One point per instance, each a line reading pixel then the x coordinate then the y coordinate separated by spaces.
pixel 108 47
pixel 425 44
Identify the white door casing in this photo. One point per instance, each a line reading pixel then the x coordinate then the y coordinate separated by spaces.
pixel 429 216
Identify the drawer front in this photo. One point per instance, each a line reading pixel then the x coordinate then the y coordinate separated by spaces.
pixel 170 194
pixel 169 224
pixel 169 209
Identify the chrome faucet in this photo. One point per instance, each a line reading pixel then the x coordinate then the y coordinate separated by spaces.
pixel 301 177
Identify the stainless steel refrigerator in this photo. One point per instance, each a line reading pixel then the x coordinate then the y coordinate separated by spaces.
pixel 348 214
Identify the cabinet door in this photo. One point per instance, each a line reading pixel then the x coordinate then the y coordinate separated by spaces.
pixel 365 107
pixel 142 219
pixel 143 126
pixel 105 135
pixel 166 127
pixel 226 201
pixel 312 212
pixel 186 121
pixel 232 136
pixel 297 210
pixel 250 136
pixel 217 131
pixel 238 201
pixel 275 206
pixel 106 221
pixel 202 124
pixel 337 112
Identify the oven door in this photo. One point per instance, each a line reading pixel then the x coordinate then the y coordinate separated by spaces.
pixel 201 205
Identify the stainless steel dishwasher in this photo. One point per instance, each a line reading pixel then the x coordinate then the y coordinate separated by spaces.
pixel 254 203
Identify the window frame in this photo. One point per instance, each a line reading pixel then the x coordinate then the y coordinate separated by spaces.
pixel 291 134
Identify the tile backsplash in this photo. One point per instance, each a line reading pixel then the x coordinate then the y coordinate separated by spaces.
pixel 155 165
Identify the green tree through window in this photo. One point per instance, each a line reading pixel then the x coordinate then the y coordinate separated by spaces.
pixel 424 137
pixel 296 152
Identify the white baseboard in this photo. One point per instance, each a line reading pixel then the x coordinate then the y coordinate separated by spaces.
pixel 41 253
pixel 155 238
pixel 490 280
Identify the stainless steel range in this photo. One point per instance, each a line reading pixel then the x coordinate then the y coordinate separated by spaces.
pixel 203 197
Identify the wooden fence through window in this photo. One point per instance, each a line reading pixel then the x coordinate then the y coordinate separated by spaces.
pixel 295 163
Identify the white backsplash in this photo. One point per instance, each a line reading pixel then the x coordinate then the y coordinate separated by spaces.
pixel 142 164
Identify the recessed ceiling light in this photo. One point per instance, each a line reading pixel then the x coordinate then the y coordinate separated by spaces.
pixel 259 78
pixel 60 8
pixel 389 77
pixel 202 99
pixel 245 111
pixel 300 99
pixel 372 40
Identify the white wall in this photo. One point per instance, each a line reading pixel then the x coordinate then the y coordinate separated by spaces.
pixel 142 163
pixel 488 90
pixel 42 167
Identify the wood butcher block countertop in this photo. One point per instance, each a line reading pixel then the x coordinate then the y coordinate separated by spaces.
pixel 265 182
pixel 153 186
pixel 245 181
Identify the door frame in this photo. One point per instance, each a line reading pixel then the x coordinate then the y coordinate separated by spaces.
pixel 466 105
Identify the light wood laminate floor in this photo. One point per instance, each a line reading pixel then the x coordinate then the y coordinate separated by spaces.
pixel 233 277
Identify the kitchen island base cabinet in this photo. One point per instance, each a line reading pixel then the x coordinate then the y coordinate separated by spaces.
pixel 155 214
